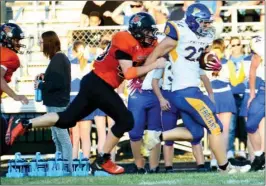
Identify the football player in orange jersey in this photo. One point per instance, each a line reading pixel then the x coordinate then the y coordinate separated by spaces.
pixel 122 59
pixel 10 36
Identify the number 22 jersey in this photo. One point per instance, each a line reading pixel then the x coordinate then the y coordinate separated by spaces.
pixel 185 57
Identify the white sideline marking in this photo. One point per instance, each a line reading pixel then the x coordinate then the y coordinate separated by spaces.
pixel 166 182
pixel 173 182
pixel 253 182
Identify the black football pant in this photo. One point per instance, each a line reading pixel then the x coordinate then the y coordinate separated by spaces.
pixel 96 93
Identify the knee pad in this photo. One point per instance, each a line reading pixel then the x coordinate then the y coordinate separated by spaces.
pixel 65 121
pixel 123 124
pixel 169 143
pixel 197 136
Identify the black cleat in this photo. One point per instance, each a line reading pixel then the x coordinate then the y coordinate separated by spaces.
pixel 155 170
pixel 141 171
pixel 258 163
pixel 169 169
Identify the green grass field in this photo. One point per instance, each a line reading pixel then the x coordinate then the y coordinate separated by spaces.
pixel 151 179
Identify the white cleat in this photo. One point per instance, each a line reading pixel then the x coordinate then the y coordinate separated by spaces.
pixel 231 169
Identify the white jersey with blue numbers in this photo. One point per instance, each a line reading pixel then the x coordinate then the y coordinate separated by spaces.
pixel 184 58
pixel 165 75
pixel 257 46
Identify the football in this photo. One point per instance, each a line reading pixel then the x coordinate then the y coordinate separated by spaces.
pixel 209 61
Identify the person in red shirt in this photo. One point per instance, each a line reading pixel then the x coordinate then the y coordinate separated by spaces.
pixel 122 59
pixel 10 36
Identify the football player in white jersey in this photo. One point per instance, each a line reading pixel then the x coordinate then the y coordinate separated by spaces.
pixel 256 104
pixel 170 116
pixel 185 41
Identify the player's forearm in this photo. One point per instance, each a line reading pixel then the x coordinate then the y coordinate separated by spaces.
pixel 153 56
pixel 5 88
pixel 156 88
pixel 142 70
pixel 161 49
pixel 134 72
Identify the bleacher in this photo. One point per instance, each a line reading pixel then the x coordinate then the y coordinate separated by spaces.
pixel 36 17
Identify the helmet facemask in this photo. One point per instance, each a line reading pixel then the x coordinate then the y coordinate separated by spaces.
pixel 204 26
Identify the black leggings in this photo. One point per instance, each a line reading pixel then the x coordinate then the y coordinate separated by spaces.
pixel 96 93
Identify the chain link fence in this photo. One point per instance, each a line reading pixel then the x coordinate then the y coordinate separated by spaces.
pixel 97 36
pixel 93 36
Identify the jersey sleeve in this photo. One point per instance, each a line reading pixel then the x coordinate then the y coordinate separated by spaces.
pixel 9 59
pixel 158 73
pixel 171 30
pixel 122 42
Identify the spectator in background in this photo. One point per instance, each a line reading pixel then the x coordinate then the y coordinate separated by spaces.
pixel 101 7
pixel 122 13
pixel 55 88
pixel 237 77
pixel 158 10
pixel 221 89
pixel 94 19
pixel 80 67
pixel 179 13
pixel 94 37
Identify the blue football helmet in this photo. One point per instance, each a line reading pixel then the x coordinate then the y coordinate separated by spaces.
pixel 196 14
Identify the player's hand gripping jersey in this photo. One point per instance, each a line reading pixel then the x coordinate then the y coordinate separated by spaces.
pixel 9 62
pixel 122 47
pixel 185 57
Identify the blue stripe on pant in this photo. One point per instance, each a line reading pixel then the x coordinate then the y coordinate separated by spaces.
pixel 145 108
